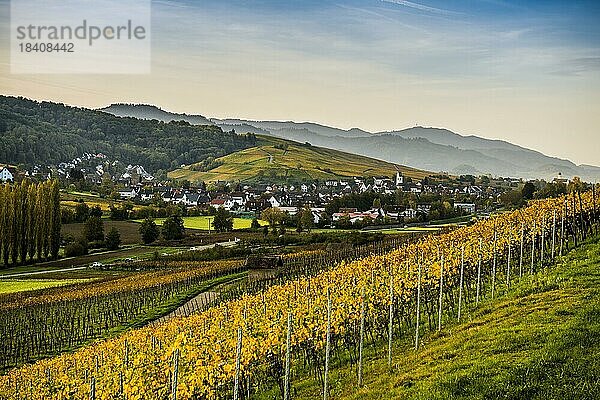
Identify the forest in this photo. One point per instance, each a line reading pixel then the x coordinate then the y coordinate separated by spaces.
pixel 34 133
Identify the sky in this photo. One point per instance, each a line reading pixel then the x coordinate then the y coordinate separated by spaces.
pixel 523 71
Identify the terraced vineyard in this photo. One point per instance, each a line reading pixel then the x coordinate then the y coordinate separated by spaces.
pixel 283 160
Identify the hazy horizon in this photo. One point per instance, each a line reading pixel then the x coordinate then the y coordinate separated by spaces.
pixel 523 72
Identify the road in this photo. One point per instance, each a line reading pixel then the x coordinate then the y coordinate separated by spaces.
pixel 80 263
pixel 199 302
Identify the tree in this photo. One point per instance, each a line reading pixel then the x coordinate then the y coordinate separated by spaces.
pixel 173 229
pixel 96 211
pixel 149 231
pixel 223 221
pixel 377 203
pixel 272 215
pixel 75 175
pixel 82 212
pixel 67 215
pixel 113 239
pixel 512 198
pixel 306 220
pixel 76 249
pixel 93 229
pixel 55 220
pixel 528 191
pixel 255 224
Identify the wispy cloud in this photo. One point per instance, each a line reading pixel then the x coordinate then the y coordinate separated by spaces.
pixel 421 7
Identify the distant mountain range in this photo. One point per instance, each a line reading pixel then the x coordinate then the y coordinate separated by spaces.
pixel 430 149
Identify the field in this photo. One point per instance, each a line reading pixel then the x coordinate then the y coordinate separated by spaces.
pixel 281 160
pixel 129 230
pixel 70 199
pixel 203 223
pixel 14 286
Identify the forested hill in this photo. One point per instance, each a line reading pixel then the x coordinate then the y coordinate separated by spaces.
pixel 48 133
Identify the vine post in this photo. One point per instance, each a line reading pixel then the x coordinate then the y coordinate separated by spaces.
pixel 288 339
pixel 494 265
pixel 391 321
pixel 175 375
pixel 521 252
pixel 478 290
pixel 327 347
pixel 532 249
pixel 553 233
pixel 441 293
pixel 418 308
pixel 508 265
pixel 361 338
pixel 238 356
pixel 460 289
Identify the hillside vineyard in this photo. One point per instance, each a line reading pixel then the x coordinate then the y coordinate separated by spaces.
pixel 239 345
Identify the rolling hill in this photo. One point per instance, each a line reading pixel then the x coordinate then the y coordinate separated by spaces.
pixel 275 159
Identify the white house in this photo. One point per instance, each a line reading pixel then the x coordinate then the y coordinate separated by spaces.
pixel 6 175
pixel 466 207
pixel 409 213
pixel 274 202
pixel 239 198
pixel 399 179
pixel 128 193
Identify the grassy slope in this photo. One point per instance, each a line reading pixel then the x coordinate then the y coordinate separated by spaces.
pixel 539 341
pixel 296 162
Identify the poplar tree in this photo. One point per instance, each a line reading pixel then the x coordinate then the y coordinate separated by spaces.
pixel 7 222
pixel 39 226
pixel 31 228
pixel 55 220
pixel 2 226
pixel 24 224
pixel 16 225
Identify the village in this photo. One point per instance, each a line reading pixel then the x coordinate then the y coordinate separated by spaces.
pixel 330 201
pixel 334 202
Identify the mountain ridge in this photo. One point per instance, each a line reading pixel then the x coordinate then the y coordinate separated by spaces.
pixel 440 150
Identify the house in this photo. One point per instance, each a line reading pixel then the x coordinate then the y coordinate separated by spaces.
pixel 146 194
pixel 217 203
pixel 6 175
pixel 274 202
pixel 128 193
pixel 466 207
pixel 409 213
pixel 178 198
pixel 225 203
pixel 238 198
pixel 423 208
pixel 256 204
pixel 399 178
pixel 191 199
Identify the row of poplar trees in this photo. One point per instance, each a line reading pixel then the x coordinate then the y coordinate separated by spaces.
pixel 29 222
